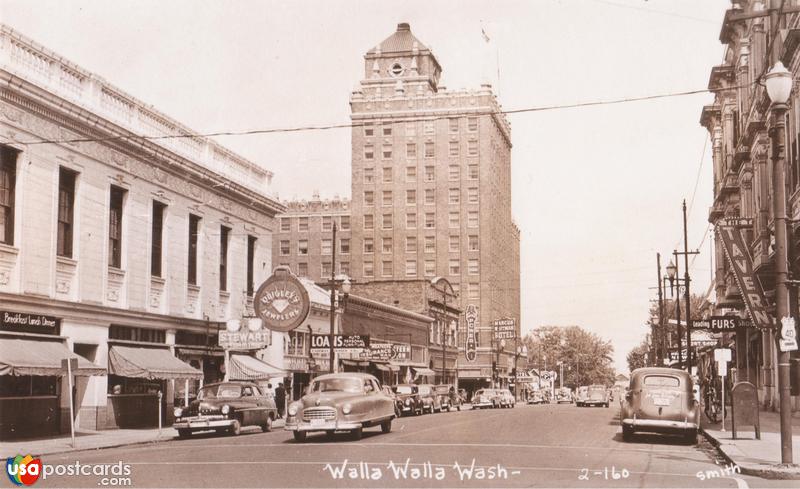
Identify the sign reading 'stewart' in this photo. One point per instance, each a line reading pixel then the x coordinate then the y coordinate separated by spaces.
pixel 282 301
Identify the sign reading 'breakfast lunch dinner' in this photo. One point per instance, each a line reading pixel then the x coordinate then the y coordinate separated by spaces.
pixel 30 323
pixel 282 301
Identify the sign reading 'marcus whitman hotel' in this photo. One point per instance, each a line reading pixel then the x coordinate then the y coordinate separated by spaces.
pixel 282 301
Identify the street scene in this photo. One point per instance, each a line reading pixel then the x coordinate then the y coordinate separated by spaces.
pixel 400 244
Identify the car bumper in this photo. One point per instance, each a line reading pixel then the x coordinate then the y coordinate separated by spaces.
pixel 200 424
pixel 659 425
pixel 325 426
pixel 477 405
pixel 593 403
pixel 409 409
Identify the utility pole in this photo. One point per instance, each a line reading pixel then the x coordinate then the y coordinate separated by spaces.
pixel 678 308
pixel 659 352
pixel 332 331
pixel 686 282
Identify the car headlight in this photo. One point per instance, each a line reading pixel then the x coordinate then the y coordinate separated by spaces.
pixel 408 402
pixel 293 410
pixel 225 409
pixel 177 412
pixel 347 408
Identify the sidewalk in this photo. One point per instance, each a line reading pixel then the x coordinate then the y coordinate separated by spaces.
pixel 92 440
pixel 762 457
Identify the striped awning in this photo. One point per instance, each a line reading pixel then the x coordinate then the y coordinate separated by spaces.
pixel 386 367
pixel 149 363
pixel 245 367
pixel 40 357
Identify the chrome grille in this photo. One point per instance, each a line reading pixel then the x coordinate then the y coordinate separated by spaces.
pixel 319 413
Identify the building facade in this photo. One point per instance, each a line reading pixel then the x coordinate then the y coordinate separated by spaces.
pixel 739 124
pixel 122 249
pixel 431 189
pixel 303 240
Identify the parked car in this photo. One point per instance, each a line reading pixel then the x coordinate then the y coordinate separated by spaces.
pixel 408 398
pixel 564 394
pixel 349 401
pixel 580 395
pixel 448 397
pixel 398 406
pixel 536 397
pixel 430 400
pixel 660 400
pixel 485 398
pixel 226 407
pixel 507 399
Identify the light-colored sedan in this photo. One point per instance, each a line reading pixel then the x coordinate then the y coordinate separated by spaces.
pixel 341 402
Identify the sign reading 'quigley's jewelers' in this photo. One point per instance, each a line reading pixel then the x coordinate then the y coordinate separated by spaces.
pixel 282 301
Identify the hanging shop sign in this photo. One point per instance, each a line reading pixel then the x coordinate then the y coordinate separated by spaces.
pixel 250 337
pixel 21 322
pixel 504 329
pixel 282 301
pixel 742 264
pixel 388 351
pixel 352 345
pixel 721 324
pixel 471 347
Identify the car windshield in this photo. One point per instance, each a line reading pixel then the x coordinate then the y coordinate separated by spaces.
pixel 597 390
pixel 424 390
pixel 480 393
pixel 404 389
pixel 222 391
pixel 662 381
pixel 348 384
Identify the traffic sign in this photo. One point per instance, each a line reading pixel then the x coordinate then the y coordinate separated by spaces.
pixel 721 354
pixel 788 339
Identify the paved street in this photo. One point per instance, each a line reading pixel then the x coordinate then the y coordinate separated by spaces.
pixel 538 446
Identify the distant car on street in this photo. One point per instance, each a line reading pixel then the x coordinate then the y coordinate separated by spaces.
pixel 660 400
pixel 536 397
pixel 563 394
pixel 485 398
pixel 581 393
pixel 448 397
pixel 407 396
pixel 430 399
pixel 225 408
pixel 398 406
pixel 347 401
pixel 507 399
pixel 597 395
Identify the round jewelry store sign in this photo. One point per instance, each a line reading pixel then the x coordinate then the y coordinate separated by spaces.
pixel 282 301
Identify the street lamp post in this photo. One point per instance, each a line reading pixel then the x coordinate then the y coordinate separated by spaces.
pixel 501 344
pixel 779 86
pixel 521 350
pixel 672 272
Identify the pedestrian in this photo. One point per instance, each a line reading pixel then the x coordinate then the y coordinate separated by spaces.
pixel 280 399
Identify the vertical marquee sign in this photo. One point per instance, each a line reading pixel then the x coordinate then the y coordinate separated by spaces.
pixel 471 347
pixel 742 266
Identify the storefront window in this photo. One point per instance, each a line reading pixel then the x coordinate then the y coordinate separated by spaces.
pixel 130 385
pixel 28 385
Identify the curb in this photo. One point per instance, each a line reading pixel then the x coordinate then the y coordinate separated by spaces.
pixel 59 451
pixel 773 472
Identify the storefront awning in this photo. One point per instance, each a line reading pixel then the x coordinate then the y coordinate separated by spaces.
pixel 386 367
pixel 245 367
pixel 354 363
pixel 149 363
pixel 421 371
pixel 40 357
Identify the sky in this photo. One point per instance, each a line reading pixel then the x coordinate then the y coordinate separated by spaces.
pixel 596 191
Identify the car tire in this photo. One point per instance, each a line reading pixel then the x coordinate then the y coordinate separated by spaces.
pixel 386 426
pixel 459 407
pixel 267 427
pixel 357 433
pixel 606 404
pixel 236 428
pixel 184 433
pixel 627 433
pixel 690 437
pixel 299 436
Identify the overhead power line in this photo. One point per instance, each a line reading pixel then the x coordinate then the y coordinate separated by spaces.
pixel 349 125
